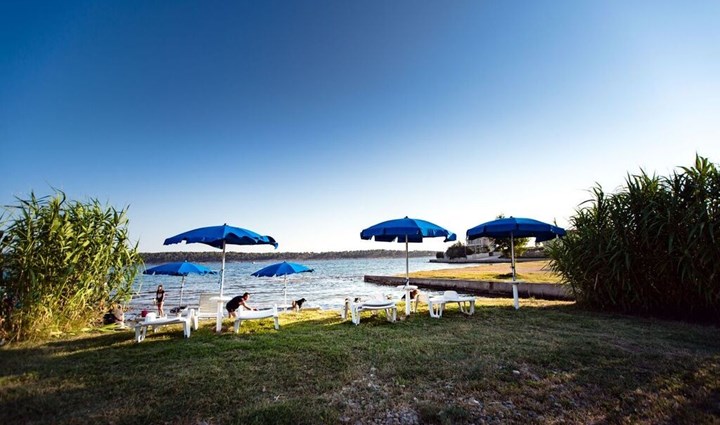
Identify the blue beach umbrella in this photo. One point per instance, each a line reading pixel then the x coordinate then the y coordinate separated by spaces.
pixel 220 237
pixel 282 269
pixel 512 228
pixel 180 268
pixel 406 230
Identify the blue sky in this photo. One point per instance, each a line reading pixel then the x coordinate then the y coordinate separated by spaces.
pixel 310 121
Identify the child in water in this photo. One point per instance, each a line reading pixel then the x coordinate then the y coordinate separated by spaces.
pixel 160 300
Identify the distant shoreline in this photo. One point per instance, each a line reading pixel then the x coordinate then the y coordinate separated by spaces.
pixel 211 256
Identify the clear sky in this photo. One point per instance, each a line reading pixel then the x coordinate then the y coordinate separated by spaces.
pixel 309 121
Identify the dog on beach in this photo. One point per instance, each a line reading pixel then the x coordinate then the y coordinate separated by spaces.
pixel 297 305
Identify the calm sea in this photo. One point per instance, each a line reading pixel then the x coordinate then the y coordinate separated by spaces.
pixel 326 287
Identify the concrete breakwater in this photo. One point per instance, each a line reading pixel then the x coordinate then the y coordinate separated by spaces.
pixel 484 260
pixel 545 291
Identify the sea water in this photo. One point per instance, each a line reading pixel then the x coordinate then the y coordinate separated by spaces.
pixel 326 287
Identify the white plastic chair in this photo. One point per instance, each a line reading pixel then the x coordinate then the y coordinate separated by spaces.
pixel 207 308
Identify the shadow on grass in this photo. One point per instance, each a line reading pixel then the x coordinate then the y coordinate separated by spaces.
pixel 303 411
pixel 567 361
pixel 109 378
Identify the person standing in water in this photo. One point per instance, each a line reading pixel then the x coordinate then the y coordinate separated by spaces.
pixel 160 300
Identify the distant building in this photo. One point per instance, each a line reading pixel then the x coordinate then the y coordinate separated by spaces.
pixel 482 244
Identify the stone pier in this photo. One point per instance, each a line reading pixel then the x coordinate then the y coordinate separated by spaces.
pixel 545 291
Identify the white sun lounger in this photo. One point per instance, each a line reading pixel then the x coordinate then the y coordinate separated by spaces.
pixel 379 304
pixel 243 314
pixel 187 319
pixel 436 305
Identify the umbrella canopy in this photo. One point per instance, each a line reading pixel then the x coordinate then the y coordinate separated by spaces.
pixel 282 269
pixel 406 230
pixel 219 237
pixel 512 228
pixel 180 268
pixel 516 227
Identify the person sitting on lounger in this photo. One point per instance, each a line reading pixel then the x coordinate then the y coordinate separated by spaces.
pixel 235 303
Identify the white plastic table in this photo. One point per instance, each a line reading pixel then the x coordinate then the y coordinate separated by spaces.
pixel 221 301
pixel 407 289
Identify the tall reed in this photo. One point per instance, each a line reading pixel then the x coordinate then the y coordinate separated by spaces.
pixel 63 264
pixel 652 248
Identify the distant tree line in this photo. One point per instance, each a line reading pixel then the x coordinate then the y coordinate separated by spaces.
pixel 209 256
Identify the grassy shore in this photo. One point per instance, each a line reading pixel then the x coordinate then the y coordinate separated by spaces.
pixel 529 272
pixel 548 362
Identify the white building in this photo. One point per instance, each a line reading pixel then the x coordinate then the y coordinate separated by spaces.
pixel 482 244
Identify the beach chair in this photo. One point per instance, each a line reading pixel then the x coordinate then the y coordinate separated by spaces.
pixel 188 319
pixel 346 309
pixel 375 305
pixel 207 308
pixel 436 304
pixel 243 314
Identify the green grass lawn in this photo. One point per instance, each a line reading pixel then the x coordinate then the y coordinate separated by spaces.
pixel 548 362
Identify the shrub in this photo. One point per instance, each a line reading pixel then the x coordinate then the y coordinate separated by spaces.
pixel 505 246
pixel 458 250
pixel 519 244
pixel 653 247
pixel 63 264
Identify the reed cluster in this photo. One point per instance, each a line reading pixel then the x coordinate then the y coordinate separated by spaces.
pixel 653 247
pixel 63 264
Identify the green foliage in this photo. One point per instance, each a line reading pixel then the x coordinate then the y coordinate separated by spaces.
pixel 652 248
pixel 63 264
pixel 504 246
pixel 458 250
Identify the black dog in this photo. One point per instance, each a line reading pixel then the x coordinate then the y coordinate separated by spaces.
pixel 297 305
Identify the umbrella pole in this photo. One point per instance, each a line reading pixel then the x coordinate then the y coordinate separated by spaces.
pixel 516 301
pixel 218 322
pixel 182 286
pixel 222 271
pixel 285 284
pixel 407 262
pixel 512 256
